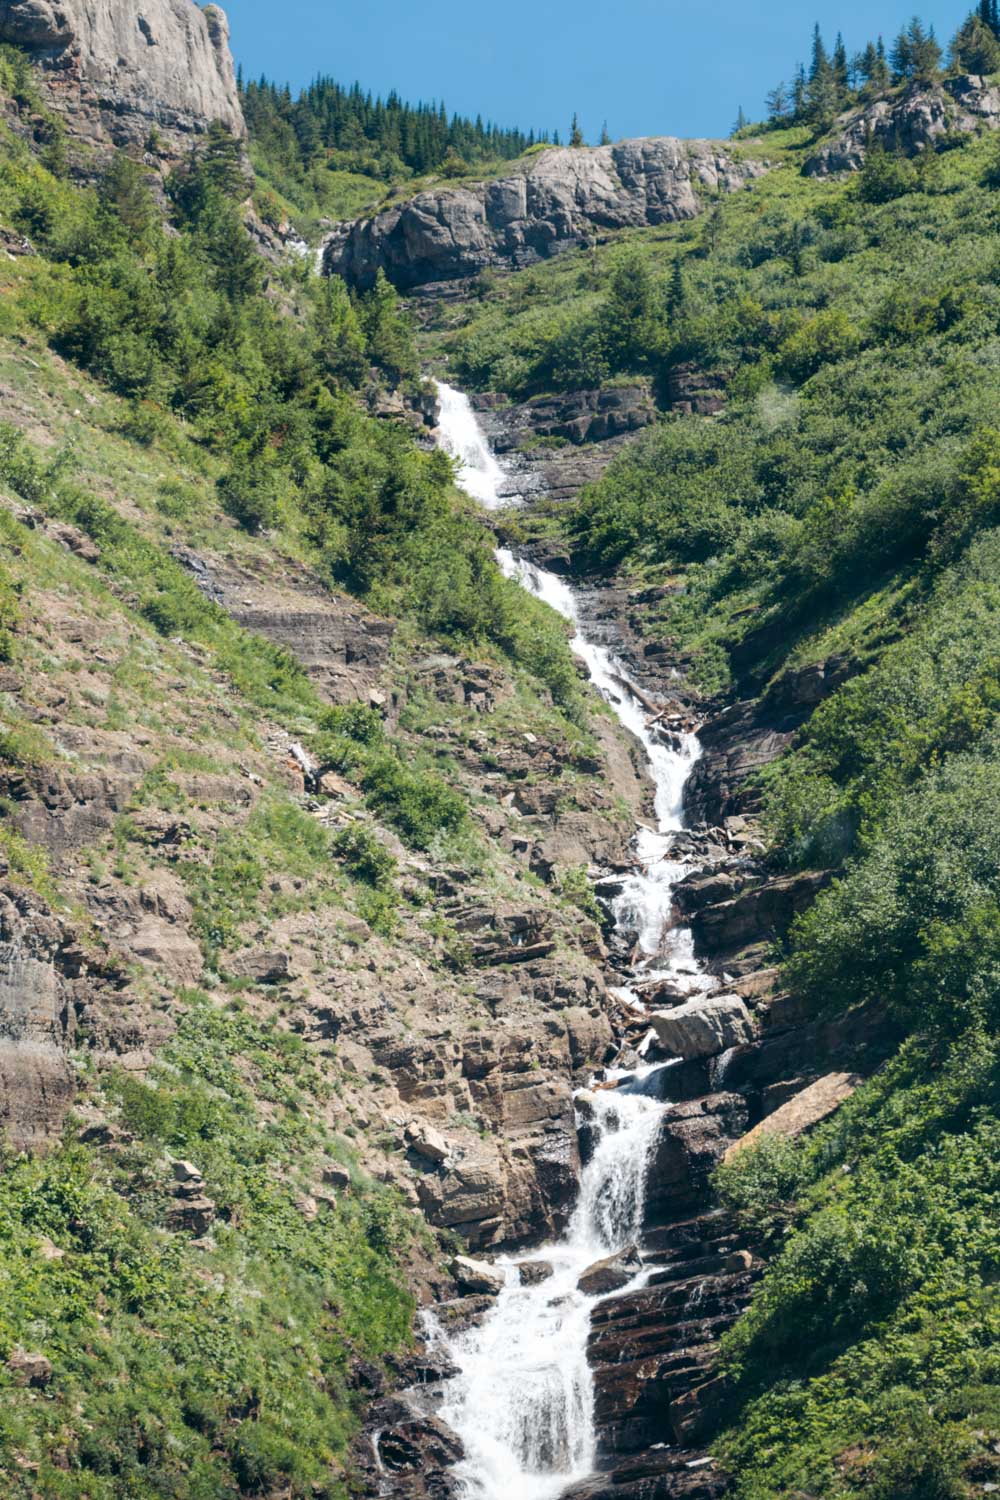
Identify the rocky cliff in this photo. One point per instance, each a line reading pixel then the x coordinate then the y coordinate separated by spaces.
pixel 909 123
pixel 113 69
pixel 558 200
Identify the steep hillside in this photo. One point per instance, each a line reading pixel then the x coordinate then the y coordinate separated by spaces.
pixel 812 511
pixel 297 796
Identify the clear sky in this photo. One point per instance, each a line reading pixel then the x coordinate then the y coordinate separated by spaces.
pixel 648 67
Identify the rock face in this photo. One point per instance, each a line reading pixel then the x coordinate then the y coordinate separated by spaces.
pixel 115 69
pixel 910 124
pixel 560 200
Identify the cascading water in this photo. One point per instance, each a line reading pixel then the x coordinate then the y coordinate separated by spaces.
pixel 523 1399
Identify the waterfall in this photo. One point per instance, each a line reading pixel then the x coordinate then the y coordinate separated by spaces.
pixel 522 1401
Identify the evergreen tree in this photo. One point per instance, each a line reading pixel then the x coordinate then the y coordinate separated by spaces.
pixel 776 102
pixel 974 47
pixel 676 293
pixel 841 73
pixel 605 138
pixel 799 93
pixel 821 94
pixel 125 196
pixel 575 133
pixel 915 54
pixel 740 121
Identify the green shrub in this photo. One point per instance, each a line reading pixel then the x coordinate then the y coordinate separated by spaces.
pixel 761 1183
pixel 364 856
pixel 418 803
pixel 10 614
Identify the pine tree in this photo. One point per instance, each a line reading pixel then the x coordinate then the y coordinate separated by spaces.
pixel 575 133
pixel 605 138
pixel 974 47
pixel 867 67
pixel 840 68
pixel 776 102
pixel 799 93
pixel 821 95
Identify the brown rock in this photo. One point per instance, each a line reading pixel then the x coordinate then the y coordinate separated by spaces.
pixel 801 1113
pixel 29 1369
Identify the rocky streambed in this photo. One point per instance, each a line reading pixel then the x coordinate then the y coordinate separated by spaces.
pixel 585 1365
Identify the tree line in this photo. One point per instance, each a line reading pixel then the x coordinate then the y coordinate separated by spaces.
pixel 380 135
pixel 836 79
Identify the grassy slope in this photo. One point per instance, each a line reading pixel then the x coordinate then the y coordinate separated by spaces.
pixel 847 503
pixel 205 1370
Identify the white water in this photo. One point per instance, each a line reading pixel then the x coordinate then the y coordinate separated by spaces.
pixel 523 1400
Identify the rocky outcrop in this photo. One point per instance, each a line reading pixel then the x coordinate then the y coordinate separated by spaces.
pixel 558 200
pixel 745 736
pixel 909 124
pixel 343 646
pixel 804 1110
pixel 115 70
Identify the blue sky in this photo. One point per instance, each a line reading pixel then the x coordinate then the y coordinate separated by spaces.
pixel 649 67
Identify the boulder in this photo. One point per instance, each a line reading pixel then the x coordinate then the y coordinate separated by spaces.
pixel 532 1272
pixel 29 1369
pixel 477 1276
pixel 263 966
pixel 703 1027
pixel 428 1143
pixel 611 1274
pixel 549 203
pixel 337 1177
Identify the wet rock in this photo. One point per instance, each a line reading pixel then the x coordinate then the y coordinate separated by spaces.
pixel 415 1452
pixel 611 1274
pixel 477 1276
pixel 704 1027
pixel 463 1313
pixel 692 1139
pixel 532 1272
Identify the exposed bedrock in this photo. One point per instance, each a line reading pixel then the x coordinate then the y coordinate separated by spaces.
pixel 560 199
pixel 911 123
pixel 115 69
